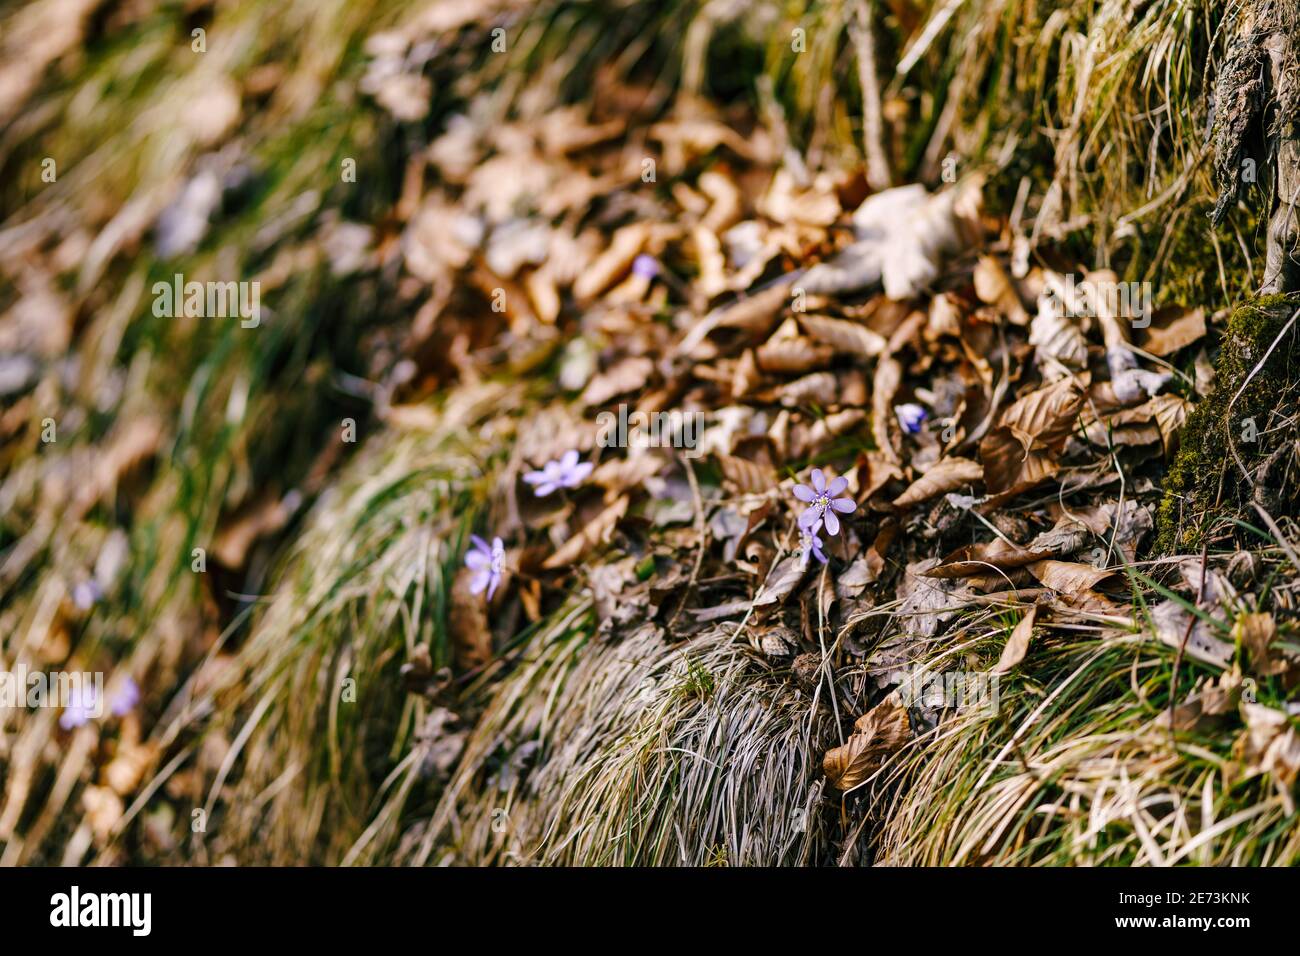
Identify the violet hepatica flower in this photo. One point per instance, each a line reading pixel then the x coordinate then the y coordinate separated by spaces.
pixel 911 417
pixel 811 546
pixel 566 472
pixel 83 703
pixel 487 563
pixel 645 267
pixel 127 696
pixel 823 503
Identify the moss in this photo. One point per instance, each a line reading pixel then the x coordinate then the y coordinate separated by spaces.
pixel 1205 482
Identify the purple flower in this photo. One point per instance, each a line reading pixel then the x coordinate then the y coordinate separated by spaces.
pixel 811 545
pixel 86 594
pixel 487 565
pixel 911 416
pixel 566 472
pixel 823 503
pixel 645 267
pixel 83 704
pixel 127 696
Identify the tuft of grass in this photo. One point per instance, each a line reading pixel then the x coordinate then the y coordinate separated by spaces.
pixel 635 753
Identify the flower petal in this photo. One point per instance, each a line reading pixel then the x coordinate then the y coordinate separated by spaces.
pixel 479 543
pixel 837 486
pixel 810 517
pixel 534 477
pixel 804 493
pixel 578 473
pixel 474 560
pixel 479 581
pixel 832 523
pixel 569 459
pixel 543 490
pixel 818 480
pixel 492 588
pixel 845 506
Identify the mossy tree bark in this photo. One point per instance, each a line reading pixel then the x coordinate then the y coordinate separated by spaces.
pixel 1238 458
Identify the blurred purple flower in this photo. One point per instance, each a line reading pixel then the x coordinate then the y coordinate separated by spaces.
pixel 566 472
pixel 645 267
pixel 487 563
pixel 127 696
pixel 86 594
pixel 83 702
pixel 811 546
pixel 823 503
pixel 911 417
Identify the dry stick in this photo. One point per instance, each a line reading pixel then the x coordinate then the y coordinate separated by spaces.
pixel 701 530
pixel 864 41
pixel 1182 645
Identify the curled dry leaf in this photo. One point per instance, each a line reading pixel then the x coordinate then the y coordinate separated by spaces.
pixel 792 356
pixel 993 287
pixel 596 532
pixel 1173 329
pixel 877 734
pixel 1018 643
pixel 1019 453
pixel 612 264
pixel 1068 577
pixel 624 376
pixel 844 336
pixel 948 474
pixel 746 476
pixel 995 555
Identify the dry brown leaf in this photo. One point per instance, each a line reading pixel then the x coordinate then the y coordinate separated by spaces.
pixel 1018 454
pixel 1068 577
pixel 877 734
pixel 1256 633
pixel 974 559
pixel 624 376
pixel 746 476
pixel 612 264
pixel 792 356
pixel 467 624
pixel 820 388
pixel 595 533
pixel 1172 329
pixel 948 474
pixel 844 336
pixel 1018 643
pixel 884 427
pixel 994 288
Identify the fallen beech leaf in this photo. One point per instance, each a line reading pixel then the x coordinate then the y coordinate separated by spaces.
pixel 974 559
pixel 844 336
pixel 746 476
pixel 878 733
pixel 1068 577
pixel 948 474
pixel 596 532
pixel 1018 643
pixel 1173 329
pixel 792 356
pixel 884 425
pixel 1256 632
pixel 821 388
pixel 467 624
pixel 612 264
pixel 993 287
pixel 781 581
pixel 1017 454
pixel 625 376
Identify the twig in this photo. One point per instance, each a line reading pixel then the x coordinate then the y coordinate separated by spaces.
pixel 864 41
